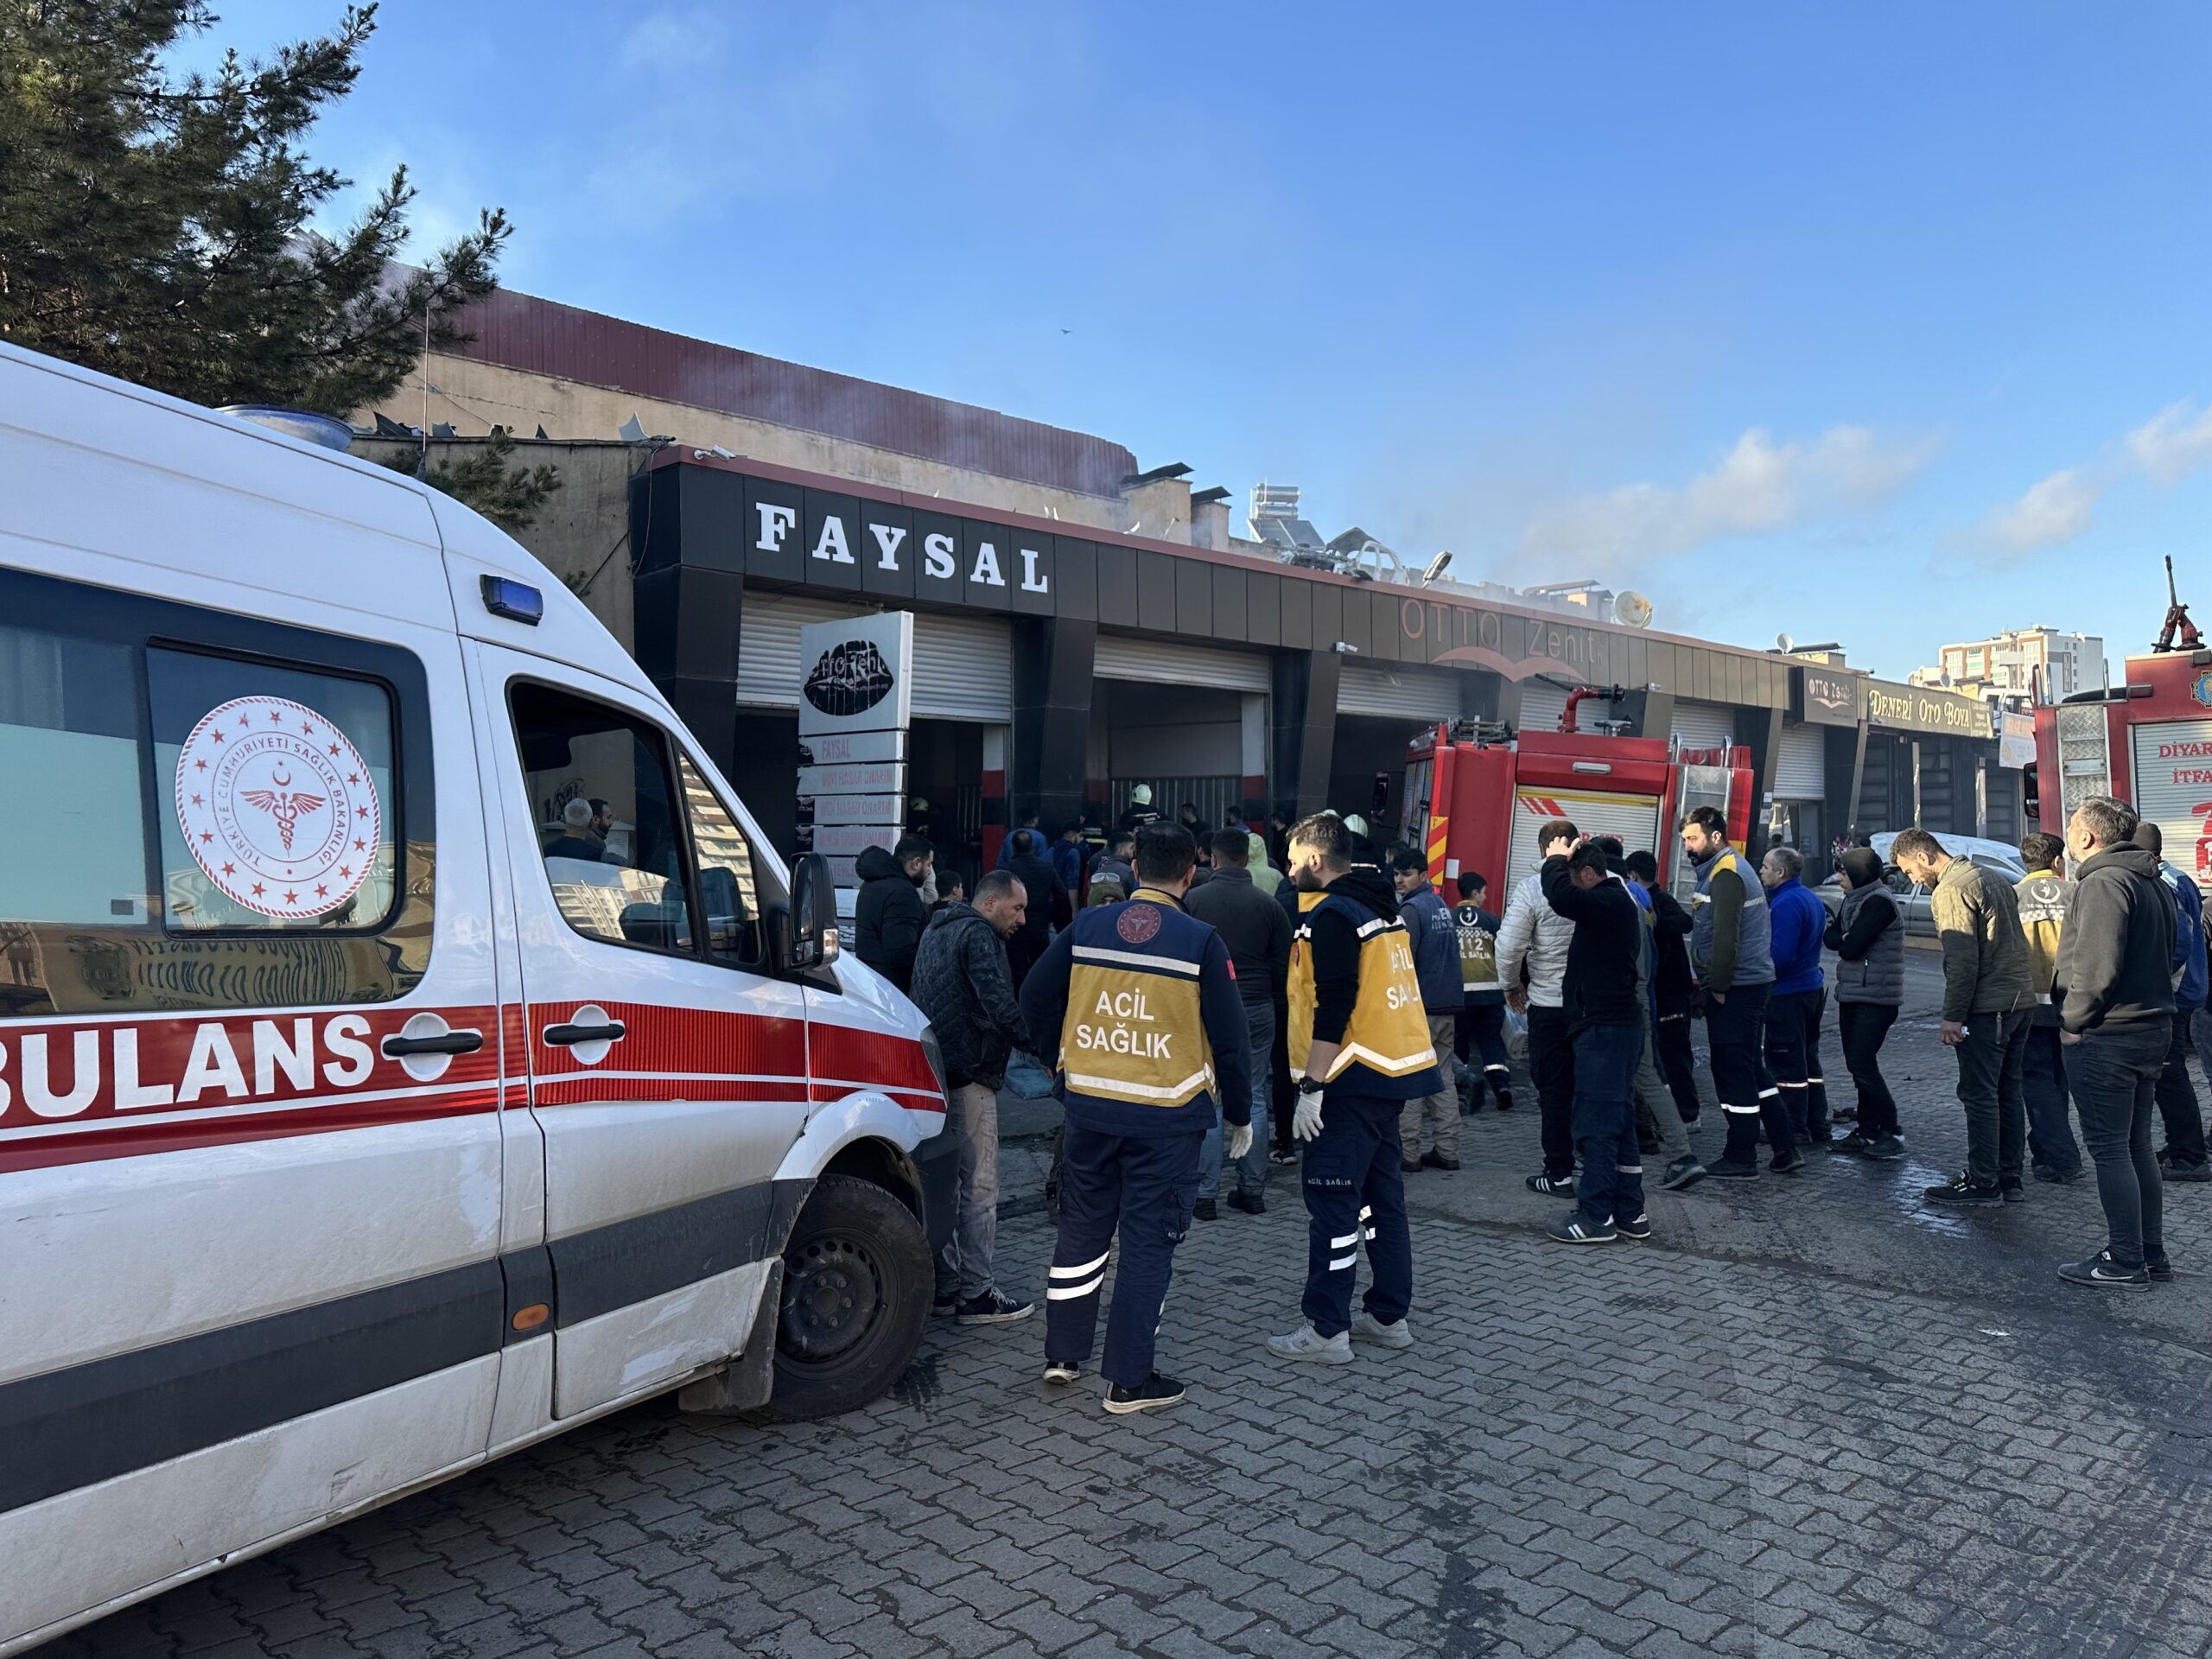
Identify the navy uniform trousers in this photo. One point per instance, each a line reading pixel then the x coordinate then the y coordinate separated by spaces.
pixel 1141 1186
pixel 1355 1193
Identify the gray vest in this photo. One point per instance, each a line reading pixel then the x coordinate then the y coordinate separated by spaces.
pixel 1879 976
pixel 1754 938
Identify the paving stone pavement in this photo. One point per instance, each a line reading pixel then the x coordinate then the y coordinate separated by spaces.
pixel 1805 1419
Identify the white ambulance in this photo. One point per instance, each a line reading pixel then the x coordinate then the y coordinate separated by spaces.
pixel 409 1048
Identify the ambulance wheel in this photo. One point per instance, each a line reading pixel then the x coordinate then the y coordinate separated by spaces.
pixel 857 1284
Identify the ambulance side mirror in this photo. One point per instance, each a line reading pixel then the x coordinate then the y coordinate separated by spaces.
pixel 812 940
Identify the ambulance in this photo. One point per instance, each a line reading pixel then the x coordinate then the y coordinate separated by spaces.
pixel 409 1047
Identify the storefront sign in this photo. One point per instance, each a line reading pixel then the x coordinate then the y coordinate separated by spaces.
pixel 853 674
pixel 2016 742
pixel 879 777
pixel 843 748
pixel 1823 697
pixel 1920 708
pixel 854 684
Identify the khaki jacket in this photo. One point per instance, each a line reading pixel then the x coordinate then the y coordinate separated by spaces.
pixel 1984 953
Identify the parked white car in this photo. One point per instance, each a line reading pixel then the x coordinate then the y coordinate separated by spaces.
pixel 1999 858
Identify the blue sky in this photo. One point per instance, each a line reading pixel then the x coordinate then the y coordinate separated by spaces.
pixel 1883 324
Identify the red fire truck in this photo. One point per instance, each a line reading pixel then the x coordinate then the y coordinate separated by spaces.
pixel 2148 741
pixel 1476 794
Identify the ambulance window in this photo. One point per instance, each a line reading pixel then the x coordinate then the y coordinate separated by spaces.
pixel 283 814
pixel 729 891
pixel 607 818
pixel 69 741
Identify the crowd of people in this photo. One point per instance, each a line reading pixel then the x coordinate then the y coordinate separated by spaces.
pixel 1215 1002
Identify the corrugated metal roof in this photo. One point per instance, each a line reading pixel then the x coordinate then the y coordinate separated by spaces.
pixel 520 331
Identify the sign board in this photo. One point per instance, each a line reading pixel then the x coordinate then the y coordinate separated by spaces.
pixel 852 748
pixel 858 808
pixel 855 675
pixel 1827 697
pixel 1925 708
pixel 870 778
pixel 2016 741
pixel 2173 789
pixel 850 840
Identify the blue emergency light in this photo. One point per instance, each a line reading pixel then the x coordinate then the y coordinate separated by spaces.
pixel 515 600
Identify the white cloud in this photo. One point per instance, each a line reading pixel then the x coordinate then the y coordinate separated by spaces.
pixel 1758 485
pixel 2056 509
pixel 2174 442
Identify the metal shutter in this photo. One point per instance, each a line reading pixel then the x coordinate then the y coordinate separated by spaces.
pixel 1543 703
pixel 2173 787
pixel 1408 693
pixel 964 666
pixel 1802 772
pixel 1634 818
pixel 1164 662
pixel 1704 725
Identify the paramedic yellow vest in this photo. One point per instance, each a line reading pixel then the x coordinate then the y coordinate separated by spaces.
pixel 1134 1032
pixel 1301 1010
pixel 1389 1030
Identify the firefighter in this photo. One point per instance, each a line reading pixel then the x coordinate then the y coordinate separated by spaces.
pixel 1360 1057
pixel 1152 1034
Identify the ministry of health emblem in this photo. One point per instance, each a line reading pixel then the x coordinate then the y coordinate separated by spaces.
pixel 277 805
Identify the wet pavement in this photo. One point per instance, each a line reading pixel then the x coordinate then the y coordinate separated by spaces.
pixel 1810 1417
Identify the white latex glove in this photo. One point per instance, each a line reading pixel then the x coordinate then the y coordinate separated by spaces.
pixel 1237 1143
pixel 1306 1123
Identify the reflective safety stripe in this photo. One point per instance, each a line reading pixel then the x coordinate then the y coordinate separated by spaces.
pixel 1351 1237
pixel 1747 1111
pixel 1818 1080
pixel 1768 1094
pixel 1178 1092
pixel 1136 959
pixel 1497 1068
pixel 1394 1063
pixel 1073 1292
pixel 1628 1169
pixel 1795 1086
pixel 1343 1261
pixel 1378 924
pixel 1088 1267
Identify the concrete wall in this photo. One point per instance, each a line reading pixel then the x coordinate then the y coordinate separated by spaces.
pixel 475 395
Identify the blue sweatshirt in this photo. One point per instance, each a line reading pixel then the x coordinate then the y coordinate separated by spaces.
pixel 2188 940
pixel 1799 920
pixel 1436 950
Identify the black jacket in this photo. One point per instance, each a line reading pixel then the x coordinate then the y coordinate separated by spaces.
pixel 1599 987
pixel 1048 905
pixel 2115 956
pixel 1673 985
pixel 1253 926
pixel 962 982
pixel 888 917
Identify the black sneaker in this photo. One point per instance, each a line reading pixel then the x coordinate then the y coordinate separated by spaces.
pixel 1844 1114
pixel 1573 1229
pixel 1435 1160
pixel 1061 1372
pixel 1690 1120
pixel 2160 1269
pixel 1408 1166
pixel 1250 1204
pixel 1822 1136
pixel 1728 1169
pixel 1685 1171
pixel 1203 1210
pixel 1637 1227
pixel 1788 1163
pixel 1554 1187
pixel 1853 1144
pixel 1505 1100
pixel 1884 1147
pixel 1960 1191
pixel 2187 1171
pixel 2103 1272
pixel 2012 1191
pixel 1153 1393
pixel 945 1306
pixel 994 1308
pixel 1281 1159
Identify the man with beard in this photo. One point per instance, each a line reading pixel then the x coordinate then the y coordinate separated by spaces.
pixel 1363 1052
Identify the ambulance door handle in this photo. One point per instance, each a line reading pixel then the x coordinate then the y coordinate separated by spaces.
pixel 570 1036
pixel 451 1042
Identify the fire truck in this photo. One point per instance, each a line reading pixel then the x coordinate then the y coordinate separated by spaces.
pixel 1477 794
pixel 2148 741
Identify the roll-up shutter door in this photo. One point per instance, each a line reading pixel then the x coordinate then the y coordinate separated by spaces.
pixel 1802 772
pixel 1704 725
pixel 2173 785
pixel 1164 662
pixel 1634 818
pixel 1414 694
pixel 964 666
pixel 1543 703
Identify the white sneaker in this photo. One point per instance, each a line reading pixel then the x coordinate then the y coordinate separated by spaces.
pixel 1306 1343
pixel 1366 1327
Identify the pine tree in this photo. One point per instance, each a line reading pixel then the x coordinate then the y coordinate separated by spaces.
pixel 159 228
pixel 511 500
